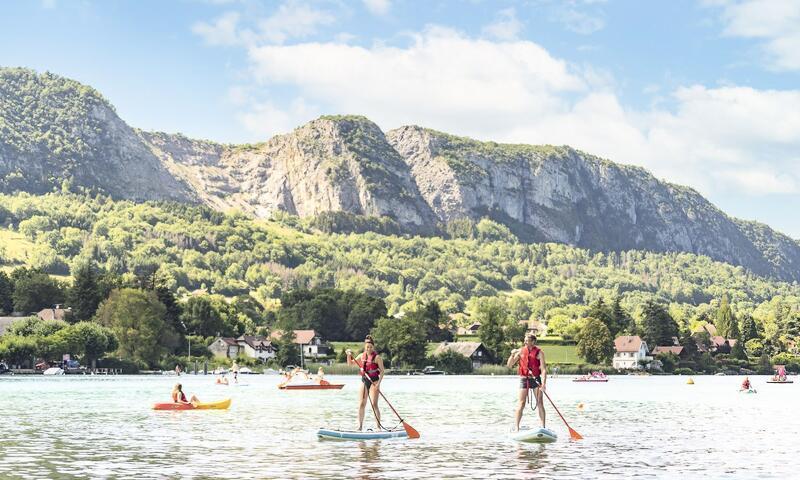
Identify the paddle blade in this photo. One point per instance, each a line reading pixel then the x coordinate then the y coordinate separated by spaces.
pixel 574 435
pixel 410 431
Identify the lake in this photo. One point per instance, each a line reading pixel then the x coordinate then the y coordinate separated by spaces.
pixel 636 427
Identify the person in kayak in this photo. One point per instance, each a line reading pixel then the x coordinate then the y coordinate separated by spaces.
pixel 372 370
pixel 746 383
pixel 533 374
pixel 179 397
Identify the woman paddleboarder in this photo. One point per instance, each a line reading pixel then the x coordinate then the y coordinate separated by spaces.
pixel 371 365
pixel 532 372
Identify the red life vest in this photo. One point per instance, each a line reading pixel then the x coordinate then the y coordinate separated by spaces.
pixel 180 395
pixel 529 362
pixel 370 367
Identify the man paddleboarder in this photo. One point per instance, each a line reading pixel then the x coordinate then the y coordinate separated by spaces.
pixel 532 372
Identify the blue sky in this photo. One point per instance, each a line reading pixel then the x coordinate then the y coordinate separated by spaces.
pixel 703 93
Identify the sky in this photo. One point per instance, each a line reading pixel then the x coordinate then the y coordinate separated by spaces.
pixel 703 93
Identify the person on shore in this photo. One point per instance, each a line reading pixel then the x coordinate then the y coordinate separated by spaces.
pixel 372 371
pixel 533 375
pixel 178 370
pixel 179 397
pixel 746 383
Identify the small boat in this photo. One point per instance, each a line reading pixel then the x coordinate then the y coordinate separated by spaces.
pixel 534 435
pixel 218 405
pixel 598 377
pixel 430 370
pixel 53 371
pixel 334 434
pixel 312 386
pixel 748 391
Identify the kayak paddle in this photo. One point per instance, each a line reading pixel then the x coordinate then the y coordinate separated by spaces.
pixel 572 433
pixel 410 431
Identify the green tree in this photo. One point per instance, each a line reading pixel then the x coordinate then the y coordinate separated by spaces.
pixel 6 294
pixel 37 291
pixel 658 325
pixel 286 352
pixel 84 296
pixel 493 317
pixel 88 340
pixel 402 340
pixel 726 322
pixel 737 351
pixel 201 318
pixel 595 343
pixel 600 311
pixel 17 350
pixel 136 318
pixel 749 329
pixel 622 319
pixel 452 362
pixel 364 311
pixel 174 310
pixel 668 361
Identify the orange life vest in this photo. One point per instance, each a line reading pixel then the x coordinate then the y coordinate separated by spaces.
pixel 529 362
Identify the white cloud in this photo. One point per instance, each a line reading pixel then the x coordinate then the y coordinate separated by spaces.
pixel 775 22
pixel 506 26
pixel 378 7
pixel 265 119
pixel 292 19
pixel 223 31
pixel 580 21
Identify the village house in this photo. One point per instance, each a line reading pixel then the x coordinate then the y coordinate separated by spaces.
pixel 630 351
pixel 721 344
pixel 677 350
pixel 470 330
pixel 250 346
pixel 475 351
pixel 311 345
pixel 56 313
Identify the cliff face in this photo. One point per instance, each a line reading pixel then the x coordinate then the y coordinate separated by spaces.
pixel 56 133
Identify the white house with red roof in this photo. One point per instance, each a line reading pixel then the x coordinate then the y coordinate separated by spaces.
pixel 630 351
pixel 247 345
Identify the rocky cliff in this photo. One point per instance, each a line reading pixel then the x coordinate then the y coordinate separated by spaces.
pixel 56 133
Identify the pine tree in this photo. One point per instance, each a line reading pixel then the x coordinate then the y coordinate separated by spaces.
pixel 623 321
pixel 600 311
pixel 725 319
pixel 6 294
pixel 749 329
pixel 659 327
pixel 84 296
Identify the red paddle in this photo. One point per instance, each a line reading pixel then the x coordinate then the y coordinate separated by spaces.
pixel 410 431
pixel 572 433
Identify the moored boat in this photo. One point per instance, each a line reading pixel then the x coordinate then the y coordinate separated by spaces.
pixel 594 377
pixel 312 386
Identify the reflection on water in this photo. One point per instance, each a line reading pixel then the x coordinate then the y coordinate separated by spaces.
pixel 634 427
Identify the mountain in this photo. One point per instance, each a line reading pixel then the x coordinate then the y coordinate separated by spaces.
pixel 57 134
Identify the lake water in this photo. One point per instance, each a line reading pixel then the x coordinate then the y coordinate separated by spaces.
pixel 633 427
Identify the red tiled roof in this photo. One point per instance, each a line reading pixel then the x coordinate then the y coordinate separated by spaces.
pixel 718 341
pixel 665 349
pixel 303 337
pixel 628 343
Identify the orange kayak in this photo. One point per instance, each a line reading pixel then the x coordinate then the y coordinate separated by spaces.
pixel 219 405
pixel 330 386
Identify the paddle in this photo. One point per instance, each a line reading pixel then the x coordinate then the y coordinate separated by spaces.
pixel 572 433
pixel 410 431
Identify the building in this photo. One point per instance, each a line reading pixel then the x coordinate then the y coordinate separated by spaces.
pixel 475 351
pixel 247 346
pixel 631 350
pixel 708 328
pixel 721 344
pixel 311 345
pixel 470 330
pixel 56 313
pixel 677 350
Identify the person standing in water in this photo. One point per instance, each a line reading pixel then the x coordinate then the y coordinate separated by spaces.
pixel 235 370
pixel 372 370
pixel 533 375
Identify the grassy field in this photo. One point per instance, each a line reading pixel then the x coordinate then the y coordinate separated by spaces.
pixel 16 246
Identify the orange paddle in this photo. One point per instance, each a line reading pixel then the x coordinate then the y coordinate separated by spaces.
pixel 572 433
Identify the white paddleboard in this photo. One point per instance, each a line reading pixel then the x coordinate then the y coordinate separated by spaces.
pixel 534 435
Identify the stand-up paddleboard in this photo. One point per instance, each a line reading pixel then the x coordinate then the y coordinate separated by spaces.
pixel 752 390
pixel 780 381
pixel 354 435
pixel 534 435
